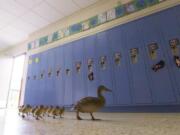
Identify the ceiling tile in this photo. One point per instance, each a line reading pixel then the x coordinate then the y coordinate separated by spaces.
pixel 47 12
pixel 35 19
pixel 66 7
pixel 12 7
pixel 85 3
pixel 29 3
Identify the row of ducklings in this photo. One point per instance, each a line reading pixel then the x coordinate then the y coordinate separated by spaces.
pixel 41 111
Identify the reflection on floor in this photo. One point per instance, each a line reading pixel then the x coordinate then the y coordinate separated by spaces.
pixel 110 124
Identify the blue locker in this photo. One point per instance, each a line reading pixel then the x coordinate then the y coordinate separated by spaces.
pixel 90 59
pixel 170 33
pixel 160 82
pixel 141 93
pixel 104 67
pixel 50 95
pixel 59 75
pixel 43 77
pixel 29 78
pixel 35 85
pixel 68 60
pixel 79 90
pixel 120 65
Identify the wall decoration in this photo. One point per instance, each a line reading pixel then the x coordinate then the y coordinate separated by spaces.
pixel 36 60
pixel 93 21
pixel 174 46
pixel 153 47
pixel 91 76
pixel 111 14
pixel 134 55
pixel 117 58
pixel 43 41
pixel 130 7
pixel 140 4
pixel 103 62
pixel 58 72
pixel 55 36
pixel 177 61
pixel 68 71
pixel 78 67
pixel 102 18
pixel 76 28
pixel 85 25
pixel 152 2
pixel 158 66
pixel 42 74
pixel 114 13
pixel 49 72
pixel 120 11
pixel 90 65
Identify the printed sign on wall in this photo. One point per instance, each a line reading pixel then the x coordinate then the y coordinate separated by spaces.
pixel 153 47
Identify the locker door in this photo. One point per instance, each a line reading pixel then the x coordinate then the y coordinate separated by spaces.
pixel 104 67
pixel 91 77
pixel 50 91
pixel 59 75
pixel 28 82
pixel 120 67
pixel 169 18
pixel 43 77
pixel 160 83
pixel 78 70
pixel 68 74
pixel 35 85
pixel 141 93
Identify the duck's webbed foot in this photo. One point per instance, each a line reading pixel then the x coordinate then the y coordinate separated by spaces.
pixel 77 116
pixel 93 117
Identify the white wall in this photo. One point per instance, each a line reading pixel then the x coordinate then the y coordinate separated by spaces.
pixel 99 7
pixel 6 64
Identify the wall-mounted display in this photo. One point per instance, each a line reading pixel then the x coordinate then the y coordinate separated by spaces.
pixel 158 66
pixel 174 46
pixel 153 47
pixel 134 55
pixel 102 18
pixel 130 7
pixel 90 69
pixel 78 66
pixel 34 77
pixel 58 72
pixel 91 76
pixel 49 72
pixel 42 74
pixel 68 71
pixel 177 61
pixel 117 58
pixel 111 14
pixel 36 60
pixel 103 62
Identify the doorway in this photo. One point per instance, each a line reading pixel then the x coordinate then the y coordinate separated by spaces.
pixel 16 82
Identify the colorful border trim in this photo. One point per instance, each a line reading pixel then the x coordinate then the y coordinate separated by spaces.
pixel 116 12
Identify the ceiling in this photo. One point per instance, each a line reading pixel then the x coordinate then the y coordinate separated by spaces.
pixel 19 18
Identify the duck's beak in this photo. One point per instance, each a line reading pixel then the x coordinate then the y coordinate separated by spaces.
pixel 108 90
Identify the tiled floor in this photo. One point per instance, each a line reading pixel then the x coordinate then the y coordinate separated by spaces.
pixel 110 124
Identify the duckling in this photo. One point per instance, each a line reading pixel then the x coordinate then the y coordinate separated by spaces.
pixel 91 104
pixel 26 110
pixel 58 111
pixel 33 110
pixel 20 108
pixel 38 112
pixel 49 110
pixel 61 111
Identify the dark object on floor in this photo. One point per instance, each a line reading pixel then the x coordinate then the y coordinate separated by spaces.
pixel 158 66
pixel 177 61
pixel 91 104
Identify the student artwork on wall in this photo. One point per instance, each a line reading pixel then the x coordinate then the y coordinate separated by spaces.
pixel 134 55
pixel 90 69
pixel 174 46
pixel 117 58
pixel 49 72
pixel 68 71
pixel 36 60
pixel 42 74
pixel 78 66
pixel 156 67
pixel 153 47
pixel 94 21
pixel 34 77
pixel 103 62
pixel 58 72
